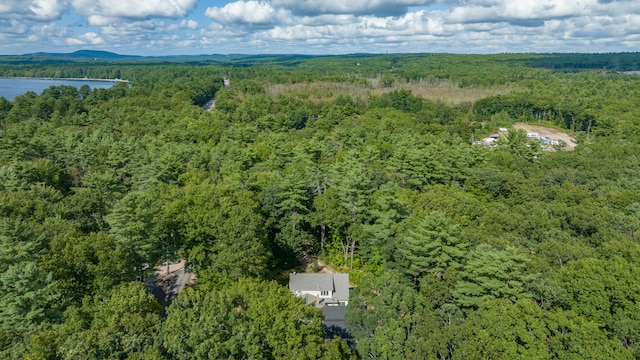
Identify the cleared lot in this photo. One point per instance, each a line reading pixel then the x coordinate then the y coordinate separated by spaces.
pixel 553 134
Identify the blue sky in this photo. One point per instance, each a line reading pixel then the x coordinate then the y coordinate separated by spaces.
pixel 173 27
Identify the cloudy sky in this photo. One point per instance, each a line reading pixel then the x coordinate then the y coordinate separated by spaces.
pixel 166 27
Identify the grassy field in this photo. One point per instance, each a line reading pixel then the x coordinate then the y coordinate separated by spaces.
pixel 444 91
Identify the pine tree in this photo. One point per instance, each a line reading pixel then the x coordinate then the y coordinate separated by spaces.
pixel 490 273
pixel 28 296
pixel 433 246
pixel 133 225
pixel 387 212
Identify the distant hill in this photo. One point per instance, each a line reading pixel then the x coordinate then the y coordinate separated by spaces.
pixel 83 54
pixel 629 61
pixel 103 57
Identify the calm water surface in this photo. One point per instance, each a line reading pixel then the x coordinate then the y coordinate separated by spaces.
pixel 12 87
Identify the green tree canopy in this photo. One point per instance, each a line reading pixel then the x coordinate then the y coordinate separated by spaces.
pixel 390 319
pixel 249 319
pixel 121 324
pixel 433 246
pixel 490 273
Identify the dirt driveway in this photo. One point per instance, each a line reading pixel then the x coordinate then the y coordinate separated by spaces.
pixel 166 285
pixel 550 133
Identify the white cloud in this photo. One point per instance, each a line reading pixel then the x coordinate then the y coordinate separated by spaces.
pixel 89 38
pixel 144 35
pixel 253 14
pixel 132 30
pixel 189 24
pixel 523 11
pixel 46 10
pixel 328 19
pixel 12 27
pixel 355 7
pixel 36 10
pixel 134 9
pixel 184 24
pixel 217 34
pixel 365 29
pixel 99 20
pixel 323 26
pixel 21 36
pixel 552 28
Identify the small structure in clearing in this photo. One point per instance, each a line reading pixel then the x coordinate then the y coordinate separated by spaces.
pixel 547 135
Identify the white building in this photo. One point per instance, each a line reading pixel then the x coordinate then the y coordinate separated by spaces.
pixel 321 289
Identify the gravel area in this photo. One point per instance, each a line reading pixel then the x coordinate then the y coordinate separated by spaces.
pixel 550 133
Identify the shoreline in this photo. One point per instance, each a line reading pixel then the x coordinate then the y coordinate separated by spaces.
pixel 65 79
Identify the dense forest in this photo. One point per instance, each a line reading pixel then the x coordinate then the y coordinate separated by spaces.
pixel 369 163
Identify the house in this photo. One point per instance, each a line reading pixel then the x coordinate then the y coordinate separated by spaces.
pixel 329 292
pixel 321 289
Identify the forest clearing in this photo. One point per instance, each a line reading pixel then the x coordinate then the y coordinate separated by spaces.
pixel 549 133
pixel 442 91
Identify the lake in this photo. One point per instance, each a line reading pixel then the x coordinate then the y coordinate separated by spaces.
pixel 12 87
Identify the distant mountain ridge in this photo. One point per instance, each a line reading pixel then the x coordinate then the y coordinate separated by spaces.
pixel 106 55
pixel 84 54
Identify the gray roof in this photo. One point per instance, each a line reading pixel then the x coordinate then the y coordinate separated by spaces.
pixel 337 283
pixel 334 313
pixel 311 282
pixel 341 283
pixel 334 316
